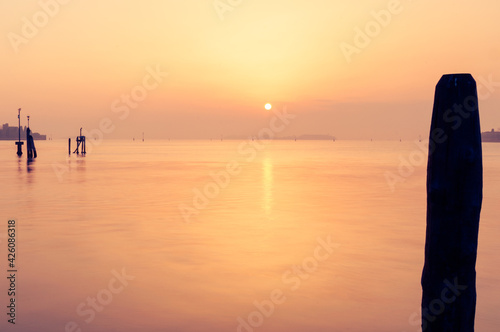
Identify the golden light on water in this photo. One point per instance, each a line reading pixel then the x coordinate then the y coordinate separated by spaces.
pixel 267 168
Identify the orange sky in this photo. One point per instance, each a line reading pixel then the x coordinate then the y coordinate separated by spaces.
pixel 68 63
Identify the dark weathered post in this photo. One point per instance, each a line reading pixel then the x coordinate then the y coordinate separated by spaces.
pixel 69 145
pixel 454 197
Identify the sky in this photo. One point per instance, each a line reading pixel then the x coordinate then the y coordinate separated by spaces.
pixel 205 68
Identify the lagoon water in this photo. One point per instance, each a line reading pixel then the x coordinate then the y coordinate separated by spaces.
pixel 301 236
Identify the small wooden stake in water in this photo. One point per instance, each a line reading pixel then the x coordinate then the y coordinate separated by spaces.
pixel 454 197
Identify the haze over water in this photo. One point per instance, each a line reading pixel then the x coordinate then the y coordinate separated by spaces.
pixel 192 234
pixel 117 209
pixel 189 69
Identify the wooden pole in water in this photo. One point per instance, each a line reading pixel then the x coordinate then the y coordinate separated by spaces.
pixel 69 145
pixel 19 143
pixel 454 197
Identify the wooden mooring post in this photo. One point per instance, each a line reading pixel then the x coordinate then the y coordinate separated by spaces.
pixel 19 143
pixel 454 197
pixel 80 142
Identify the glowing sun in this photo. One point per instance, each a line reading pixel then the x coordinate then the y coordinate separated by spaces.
pixel 268 106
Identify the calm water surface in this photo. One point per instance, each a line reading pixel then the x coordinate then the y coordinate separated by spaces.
pixel 164 238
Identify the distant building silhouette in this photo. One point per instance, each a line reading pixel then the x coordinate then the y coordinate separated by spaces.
pixel 8 133
pixel 491 136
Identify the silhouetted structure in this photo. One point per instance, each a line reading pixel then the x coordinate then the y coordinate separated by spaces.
pixel 30 145
pixel 491 136
pixel 80 144
pixel 18 143
pixel 454 197
pixel 8 133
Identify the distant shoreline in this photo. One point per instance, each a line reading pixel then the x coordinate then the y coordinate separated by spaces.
pixel 8 133
pixel 491 136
